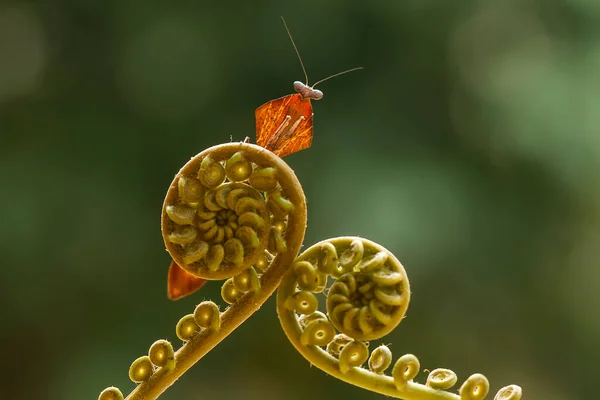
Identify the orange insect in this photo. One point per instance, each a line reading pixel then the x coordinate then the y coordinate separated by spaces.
pixel 285 125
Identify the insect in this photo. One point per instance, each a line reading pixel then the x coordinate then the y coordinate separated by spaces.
pixel 285 125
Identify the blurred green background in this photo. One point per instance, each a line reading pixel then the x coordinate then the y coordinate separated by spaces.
pixel 468 146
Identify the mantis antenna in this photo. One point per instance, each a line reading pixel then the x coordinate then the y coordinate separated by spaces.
pixel 338 74
pixel 295 48
pixel 302 64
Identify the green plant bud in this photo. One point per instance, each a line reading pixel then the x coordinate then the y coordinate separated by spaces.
pixel 441 378
pixel 304 302
pixel 381 359
pixel 279 206
pixel 246 204
pixel 276 242
pixel 183 235
pixel 190 190
pixel 221 196
pixel 355 306
pixel 220 236
pixel 389 296
pixel 186 328
pixel 352 255
pixel 307 275
pixel 380 312
pixel 476 387
pixel 248 237
pixel 329 260
pixel 234 195
pixel 385 277
pixel 280 225
pixel 229 292
pixel 322 285
pixel 354 354
pixel 318 333
pixel 215 257
pixel 111 393
pixel 181 214
pixel 405 370
pixel 207 315
pixel 264 179
pixel 205 216
pixel 305 319
pixel 228 232
pixel 209 223
pixel 234 251
pixel 211 173
pixel 338 343
pixel 210 201
pixel 194 252
pixel 252 220
pixel 161 354
pixel 141 369
pixel 373 263
pixel 511 392
pixel 238 168
pixel 262 262
pixel 211 233
pixel 247 280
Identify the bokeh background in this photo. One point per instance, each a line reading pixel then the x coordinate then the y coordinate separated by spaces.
pixel 469 146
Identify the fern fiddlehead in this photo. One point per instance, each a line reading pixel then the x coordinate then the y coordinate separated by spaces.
pixel 367 299
pixel 236 212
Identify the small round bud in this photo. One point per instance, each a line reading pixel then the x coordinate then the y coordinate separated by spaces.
pixel 318 333
pixel 190 190
pixel 111 393
pixel 262 263
pixel 211 173
pixel 306 275
pixel 181 214
pixel 161 354
pixel 194 252
pixel 264 179
pixel 476 387
pixel 247 280
pixel 141 369
pixel 183 235
pixel 380 359
pixel 338 343
pixel 303 302
pixel 328 263
pixel 354 354
pixel 441 378
pixel 186 328
pixel 238 168
pixel 252 220
pixel 207 315
pixel 510 392
pixel 405 370
pixel 352 255
pixel 229 292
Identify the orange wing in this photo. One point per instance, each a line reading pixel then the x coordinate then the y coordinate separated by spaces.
pixel 180 283
pixel 285 126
